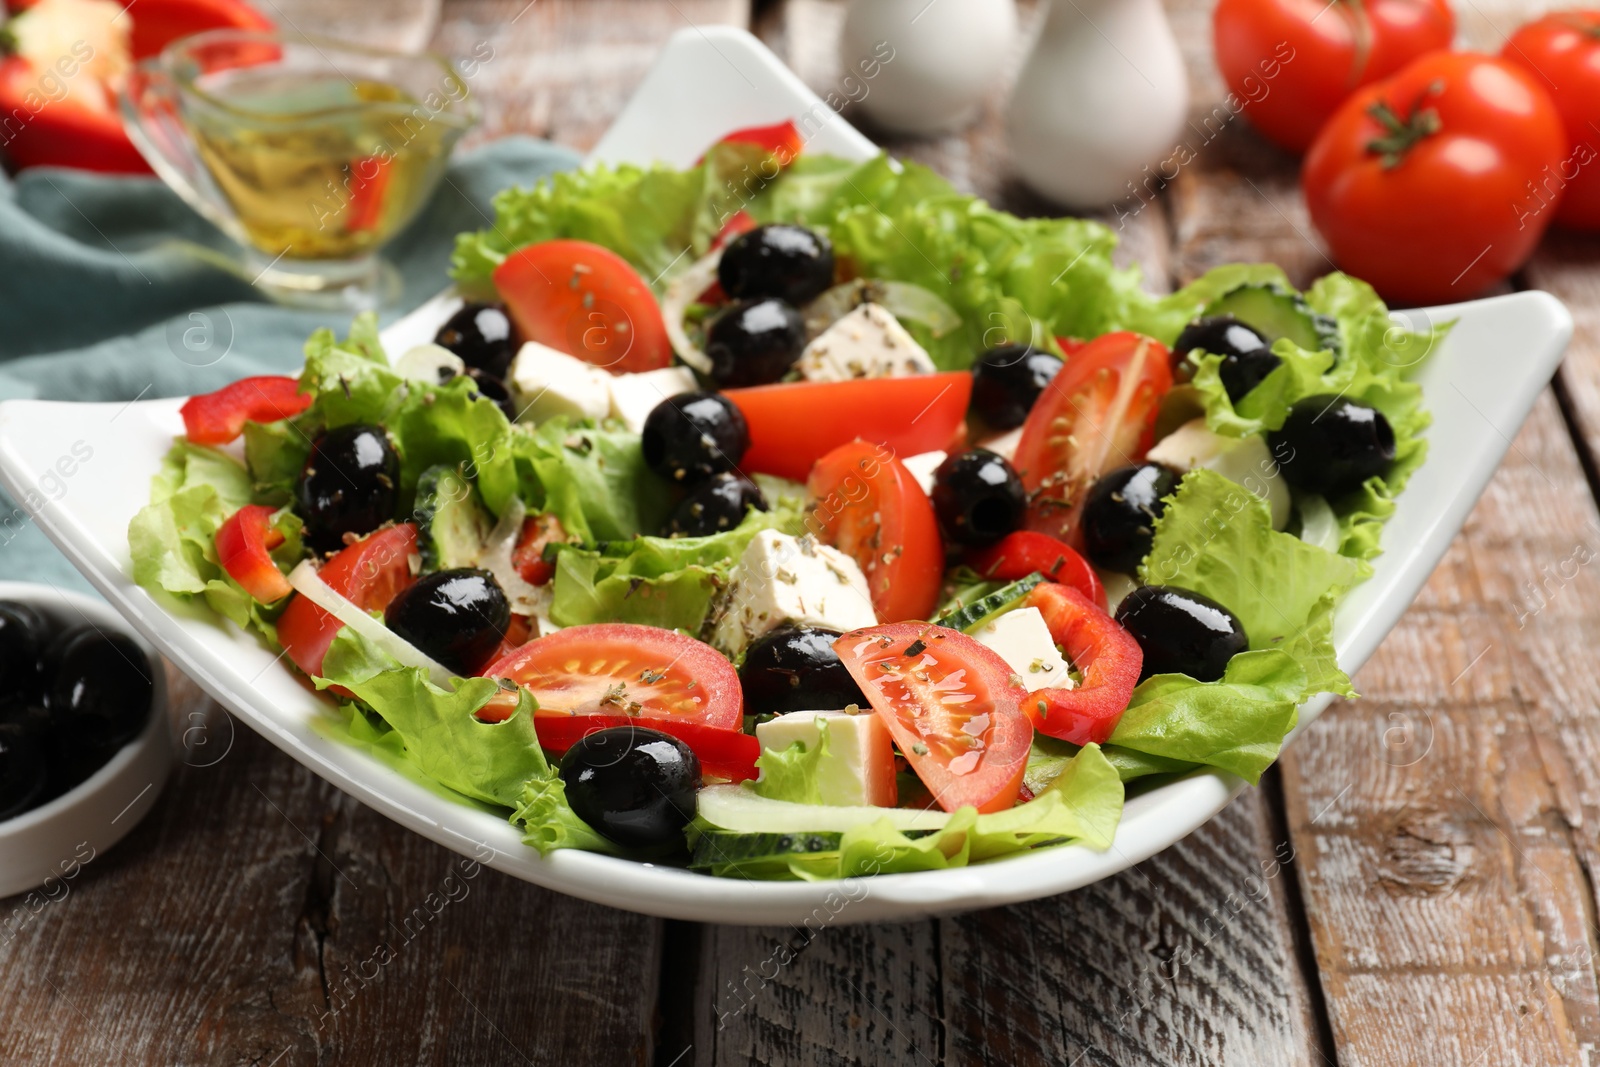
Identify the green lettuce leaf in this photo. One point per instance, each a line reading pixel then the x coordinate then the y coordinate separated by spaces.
pixel 1049 757
pixel 1216 539
pixel 594 480
pixel 793 774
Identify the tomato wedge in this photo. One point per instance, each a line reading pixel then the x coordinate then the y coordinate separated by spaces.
pixel 782 139
pixel 640 672
pixel 370 573
pixel 795 424
pixel 528 556
pixel 219 417
pixel 871 508
pixel 1097 414
pixel 244 548
pixel 726 754
pixel 1026 551
pixel 953 706
pixel 586 301
pixel 1103 652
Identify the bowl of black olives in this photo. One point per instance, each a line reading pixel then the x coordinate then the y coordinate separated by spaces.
pixel 84 742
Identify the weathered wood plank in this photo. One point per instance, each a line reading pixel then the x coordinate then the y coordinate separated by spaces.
pixel 258 915
pixel 1442 860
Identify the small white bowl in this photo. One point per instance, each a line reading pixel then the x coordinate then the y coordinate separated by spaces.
pixel 51 843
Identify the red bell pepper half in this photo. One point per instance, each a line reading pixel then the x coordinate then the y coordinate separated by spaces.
pixel 219 417
pixel 244 548
pixel 1103 652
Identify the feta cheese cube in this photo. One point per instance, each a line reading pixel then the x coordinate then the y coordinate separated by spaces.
pixel 635 396
pixel 1245 460
pixel 869 342
pixel 1004 445
pixel 782 579
pixel 1023 640
pixel 922 467
pixel 859 765
pixel 546 383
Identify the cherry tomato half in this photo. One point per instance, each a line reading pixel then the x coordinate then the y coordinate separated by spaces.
pixel 1423 184
pixel 868 506
pixel 586 301
pixel 369 573
pixel 1563 51
pixel 952 705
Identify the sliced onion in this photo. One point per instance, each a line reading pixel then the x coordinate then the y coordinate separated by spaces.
pixel 430 363
pixel 495 557
pixel 907 302
pixel 682 291
pixel 309 584
pixel 1318 524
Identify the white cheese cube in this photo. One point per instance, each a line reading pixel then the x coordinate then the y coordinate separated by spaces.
pixel 635 396
pixel 869 342
pixel 859 766
pixel 1004 445
pixel 922 467
pixel 1245 460
pixel 1022 639
pixel 783 579
pixel 546 383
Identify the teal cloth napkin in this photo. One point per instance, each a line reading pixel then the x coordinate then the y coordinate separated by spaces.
pixel 100 278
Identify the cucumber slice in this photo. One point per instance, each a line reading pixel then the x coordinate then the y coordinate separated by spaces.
pixel 452 525
pixel 969 617
pixel 735 808
pixel 723 854
pixel 1277 312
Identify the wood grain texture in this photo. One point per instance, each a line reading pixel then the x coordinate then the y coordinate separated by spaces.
pixel 1444 856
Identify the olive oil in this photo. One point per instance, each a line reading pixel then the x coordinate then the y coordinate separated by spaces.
pixel 320 166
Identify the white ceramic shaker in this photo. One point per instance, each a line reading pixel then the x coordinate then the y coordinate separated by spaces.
pixel 946 55
pixel 1103 95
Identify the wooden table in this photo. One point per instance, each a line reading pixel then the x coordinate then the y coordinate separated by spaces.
pixel 1414 885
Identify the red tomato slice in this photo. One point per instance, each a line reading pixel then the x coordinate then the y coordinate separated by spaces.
pixel 528 556
pixel 369 573
pixel 640 672
pixel 244 548
pixel 795 424
pixel 953 706
pixel 782 139
pixel 1024 552
pixel 1105 654
pixel 726 754
pixel 871 508
pixel 586 301
pixel 1098 414
pixel 219 417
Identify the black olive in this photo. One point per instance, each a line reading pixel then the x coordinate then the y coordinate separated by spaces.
pixel 1246 355
pixel 492 388
pixel 350 485
pixel 23 774
pixel 1181 632
pixel 456 616
pixel 1007 380
pixel 794 668
pixel 789 262
pixel 1120 512
pixel 23 633
pixel 483 336
pixel 101 690
pixel 717 504
pixel 977 497
pixel 1330 445
pixel 633 785
pixel 689 437
pixel 754 342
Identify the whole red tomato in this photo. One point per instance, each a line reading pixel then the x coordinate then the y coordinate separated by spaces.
pixel 1291 63
pixel 1563 50
pixel 1421 184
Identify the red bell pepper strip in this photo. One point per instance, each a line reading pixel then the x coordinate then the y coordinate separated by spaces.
pixel 37 131
pixel 244 548
pixel 723 753
pixel 219 417
pixel 1022 553
pixel 1103 652
pixel 782 139
pixel 528 555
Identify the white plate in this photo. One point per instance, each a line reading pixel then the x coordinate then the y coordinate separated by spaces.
pixel 706 82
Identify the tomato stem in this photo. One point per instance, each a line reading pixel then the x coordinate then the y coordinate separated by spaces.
pixel 1402 134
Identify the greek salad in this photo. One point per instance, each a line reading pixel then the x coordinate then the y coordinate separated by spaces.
pixel 790 517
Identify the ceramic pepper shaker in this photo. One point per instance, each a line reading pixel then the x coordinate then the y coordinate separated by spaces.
pixel 1103 95
pixel 946 55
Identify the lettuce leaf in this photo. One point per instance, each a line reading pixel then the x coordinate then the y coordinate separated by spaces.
pixel 594 480
pixel 1216 539
pixel 669 582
